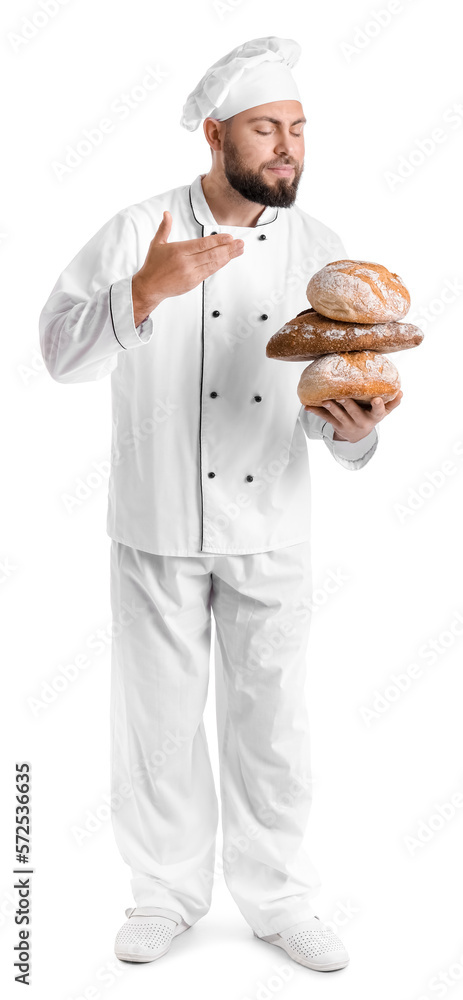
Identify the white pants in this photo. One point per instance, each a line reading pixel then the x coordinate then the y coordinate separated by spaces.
pixel 164 802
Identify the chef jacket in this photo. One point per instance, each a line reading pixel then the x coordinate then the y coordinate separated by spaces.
pixel 209 449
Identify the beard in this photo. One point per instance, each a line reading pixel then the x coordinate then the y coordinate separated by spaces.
pixel 252 185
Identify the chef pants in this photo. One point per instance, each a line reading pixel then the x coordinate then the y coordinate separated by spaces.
pixel 164 806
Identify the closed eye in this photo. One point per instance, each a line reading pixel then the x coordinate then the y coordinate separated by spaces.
pixel 296 134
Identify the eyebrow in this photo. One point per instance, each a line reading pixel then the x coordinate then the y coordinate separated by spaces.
pixel 276 121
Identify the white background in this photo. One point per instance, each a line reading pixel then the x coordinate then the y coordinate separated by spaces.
pixel 369 100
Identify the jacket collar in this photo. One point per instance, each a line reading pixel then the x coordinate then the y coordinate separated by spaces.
pixel 204 216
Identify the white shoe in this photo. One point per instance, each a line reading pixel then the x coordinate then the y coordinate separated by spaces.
pixel 312 944
pixel 146 936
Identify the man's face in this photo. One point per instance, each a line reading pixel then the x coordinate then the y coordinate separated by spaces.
pixel 253 145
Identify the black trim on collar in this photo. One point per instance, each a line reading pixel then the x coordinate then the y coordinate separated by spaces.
pixel 192 210
pixel 259 224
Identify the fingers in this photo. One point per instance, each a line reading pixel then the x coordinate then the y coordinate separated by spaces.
pixel 358 413
pixel 208 243
pixel 391 405
pixel 163 230
pixel 323 408
pixel 316 409
pixel 220 254
pixel 378 408
pixel 327 411
pixel 334 407
pixel 362 417
pixel 343 417
pixel 213 260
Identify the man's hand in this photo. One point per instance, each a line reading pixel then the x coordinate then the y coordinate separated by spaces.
pixel 351 421
pixel 175 268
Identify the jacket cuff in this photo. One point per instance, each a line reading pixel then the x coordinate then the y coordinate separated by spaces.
pixel 352 455
pixel 122 319
pixel 351 449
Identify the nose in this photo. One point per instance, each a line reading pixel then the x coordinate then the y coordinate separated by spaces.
pixel 285 145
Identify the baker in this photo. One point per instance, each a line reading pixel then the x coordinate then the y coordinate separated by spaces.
pixel 209 509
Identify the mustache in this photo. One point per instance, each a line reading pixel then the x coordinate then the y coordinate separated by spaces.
pixel 295 165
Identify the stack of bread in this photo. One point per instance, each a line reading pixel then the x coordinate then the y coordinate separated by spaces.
pixel 353 323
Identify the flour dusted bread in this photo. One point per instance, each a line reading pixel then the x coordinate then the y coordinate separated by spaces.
pixel 358 375
pixel 353 323
pixel 311 335
pixel 358 291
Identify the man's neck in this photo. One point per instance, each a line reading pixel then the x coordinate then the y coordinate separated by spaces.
pixel 228 206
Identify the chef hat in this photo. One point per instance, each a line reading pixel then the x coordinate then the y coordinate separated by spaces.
pixel 256 72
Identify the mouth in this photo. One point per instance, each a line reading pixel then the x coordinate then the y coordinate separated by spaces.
pixel 282 171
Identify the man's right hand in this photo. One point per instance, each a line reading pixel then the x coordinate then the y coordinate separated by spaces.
pixel 175 268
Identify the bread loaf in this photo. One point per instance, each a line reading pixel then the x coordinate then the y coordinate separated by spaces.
pixel 358 291
pixel 358 375
pixel 311 335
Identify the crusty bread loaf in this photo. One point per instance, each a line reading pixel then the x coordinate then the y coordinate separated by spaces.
pixel 358 291
pixel 311 335
pixel 358 375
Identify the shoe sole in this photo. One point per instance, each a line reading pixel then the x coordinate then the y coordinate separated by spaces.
pixel 301 961
pixel 123 957
pixel 139 958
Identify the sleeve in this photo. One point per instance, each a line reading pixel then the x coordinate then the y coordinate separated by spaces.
pixel 88 318
pixel 351 455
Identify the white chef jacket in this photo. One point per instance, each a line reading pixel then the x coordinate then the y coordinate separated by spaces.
pixel 209 439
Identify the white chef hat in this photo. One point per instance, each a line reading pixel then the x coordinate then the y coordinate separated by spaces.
pixel 256 72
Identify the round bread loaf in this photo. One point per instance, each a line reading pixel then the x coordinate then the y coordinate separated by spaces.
pixel 311 335
pixel 358 291
pixel 358 375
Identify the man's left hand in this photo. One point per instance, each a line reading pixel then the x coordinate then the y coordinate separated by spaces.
pixel 351 421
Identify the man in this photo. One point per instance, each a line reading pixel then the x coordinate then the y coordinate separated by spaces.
pixel 209 510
